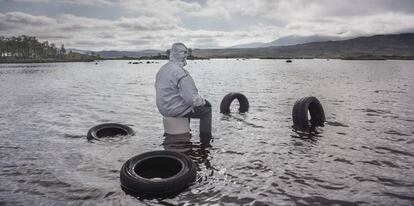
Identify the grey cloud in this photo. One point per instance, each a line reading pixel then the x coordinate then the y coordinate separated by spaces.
pixel 94 43
pixel 205 43
pixel 22 18
pixel 136 41
pixel 145 23
pixel 72 27
pixel 206 23
pixel 6 27
pixel 340 8
pixel 406 30
pixel 152 36
pixel 91 2
pixel 106 35
pixel 52 36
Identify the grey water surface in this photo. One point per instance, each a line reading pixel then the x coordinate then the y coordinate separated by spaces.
pixel 363 156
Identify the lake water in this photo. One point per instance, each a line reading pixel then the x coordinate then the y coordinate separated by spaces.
pixel 363 156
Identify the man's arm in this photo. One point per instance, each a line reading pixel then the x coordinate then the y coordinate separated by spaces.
pixel 189 91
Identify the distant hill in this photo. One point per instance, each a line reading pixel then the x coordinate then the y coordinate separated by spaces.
pixel 294 39
pixel 289 40
pixel 392 46
pixel 77 51
pixel 28 49
pixel 120 54
pixel 381 46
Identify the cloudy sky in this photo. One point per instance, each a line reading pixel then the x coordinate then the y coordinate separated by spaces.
pixel 155 24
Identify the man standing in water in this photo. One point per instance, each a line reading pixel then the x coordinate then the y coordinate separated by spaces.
pixel 177 94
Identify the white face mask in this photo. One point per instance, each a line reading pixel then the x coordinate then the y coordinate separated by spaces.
pixel 179 54
pixel 180 58
pixel 184 59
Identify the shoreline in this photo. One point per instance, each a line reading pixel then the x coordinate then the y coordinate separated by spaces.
pixel 31 61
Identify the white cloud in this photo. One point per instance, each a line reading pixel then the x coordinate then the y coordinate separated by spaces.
pixel 146 23
pixel 156 24
pixel 81 2
pixel 13 19
pixel 124 33
pixel 353 26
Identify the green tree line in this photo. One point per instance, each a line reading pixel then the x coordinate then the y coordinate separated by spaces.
pixel 25 48
pixel 28 47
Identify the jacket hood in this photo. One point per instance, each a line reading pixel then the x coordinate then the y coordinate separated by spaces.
pixel 178 54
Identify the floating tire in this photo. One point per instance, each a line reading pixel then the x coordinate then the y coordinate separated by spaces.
pixel 109 130
pixel 228 99
pixel 300 113
pixel 157 173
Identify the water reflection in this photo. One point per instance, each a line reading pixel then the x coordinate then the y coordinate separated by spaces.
pixel 312 134
pixel 178 143
pixel 26 65
pixel 199 152
pixel 241 117
pixel 365 153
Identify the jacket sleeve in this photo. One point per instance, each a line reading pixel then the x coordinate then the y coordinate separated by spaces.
pixel 189 91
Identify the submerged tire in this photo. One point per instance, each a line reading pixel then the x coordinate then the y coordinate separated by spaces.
pixel 157 173
pixel 300 113
pixel 228 99
pixel 109 130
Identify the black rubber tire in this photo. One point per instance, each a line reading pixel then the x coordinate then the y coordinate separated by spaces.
pixel 157 162
pixel 300 113
pixel 109 130
pixel 228 99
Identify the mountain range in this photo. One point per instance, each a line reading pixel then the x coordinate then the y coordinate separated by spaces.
pixel 379 46
pixel 290 40
pixel 119 54
pixel 398 46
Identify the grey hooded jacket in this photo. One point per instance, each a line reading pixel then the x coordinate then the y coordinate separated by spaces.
pixel 176 92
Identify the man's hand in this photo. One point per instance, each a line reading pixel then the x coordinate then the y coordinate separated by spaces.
pixel 207 104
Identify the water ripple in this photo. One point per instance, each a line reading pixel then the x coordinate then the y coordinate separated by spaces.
pixel 363 156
